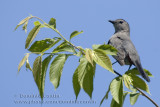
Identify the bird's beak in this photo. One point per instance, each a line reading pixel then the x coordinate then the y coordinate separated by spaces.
pixel 111 21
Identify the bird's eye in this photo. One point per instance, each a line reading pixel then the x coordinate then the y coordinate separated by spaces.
pixel 120 22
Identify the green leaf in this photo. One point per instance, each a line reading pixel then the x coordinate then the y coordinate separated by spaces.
pixel 36 23
pixel 52 23
pixel 106 96
pixel 23 61
pixel 139 83
pixel 102 59
pixel 108 49
pixel 45 63
pixel 115 104
pixel 33 33
pixel 76 84
pixel 147 72
pixel 64 47
pixel 75 33
pixel 23 21
pixel 135 81
pixel 127 80
pixel 116 88
pixel 37 72
pixel 85 75
pixel 89 55
pixel 134 71
pixel 133 98
pixel 43 45
pixel 56 68
pixel 28 65
pixel 95 46
pixel 25 26
pixel 88 79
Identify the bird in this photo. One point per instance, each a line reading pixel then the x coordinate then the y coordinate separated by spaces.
pixel 127 53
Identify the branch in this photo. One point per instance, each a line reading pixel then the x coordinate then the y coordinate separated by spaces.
pixel 147 97
pixel 141 92
pixel 84 54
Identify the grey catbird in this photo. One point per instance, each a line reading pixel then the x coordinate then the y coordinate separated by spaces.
pixel 127 54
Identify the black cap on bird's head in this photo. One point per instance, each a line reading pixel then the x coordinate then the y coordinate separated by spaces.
pixel 120 25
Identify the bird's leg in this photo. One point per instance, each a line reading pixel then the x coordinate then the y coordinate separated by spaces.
pixel 129 67
pixel 114 62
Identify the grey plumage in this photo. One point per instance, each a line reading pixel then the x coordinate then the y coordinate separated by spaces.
pixel 127 54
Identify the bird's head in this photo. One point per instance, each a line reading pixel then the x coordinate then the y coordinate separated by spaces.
pixel 120 25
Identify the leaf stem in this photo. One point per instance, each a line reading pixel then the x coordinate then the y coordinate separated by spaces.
pixel 48 53
pixel 60 34
pixel 39 19
pixel 67 40
pixel 140 92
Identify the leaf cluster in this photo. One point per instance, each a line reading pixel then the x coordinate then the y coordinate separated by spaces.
pixel 83 76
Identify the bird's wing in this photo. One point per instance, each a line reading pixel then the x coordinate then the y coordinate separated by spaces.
pixel 116 42
pixel 130 50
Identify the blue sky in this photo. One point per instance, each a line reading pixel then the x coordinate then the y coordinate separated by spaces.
pixel 92 17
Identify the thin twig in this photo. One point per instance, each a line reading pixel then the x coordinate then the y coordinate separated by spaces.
pixel 147 97
pixel 141 92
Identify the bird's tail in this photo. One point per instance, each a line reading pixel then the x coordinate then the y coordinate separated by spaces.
pixel 140 69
